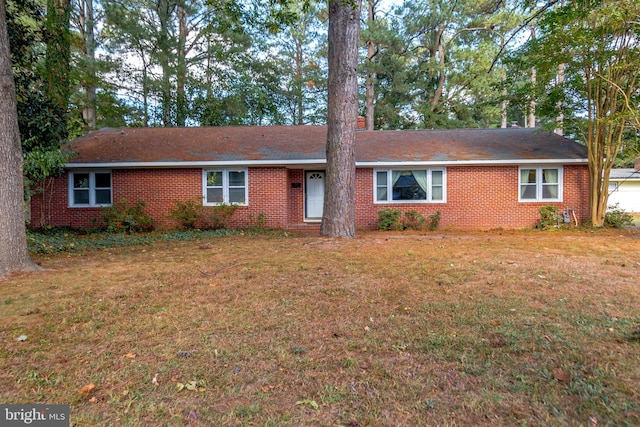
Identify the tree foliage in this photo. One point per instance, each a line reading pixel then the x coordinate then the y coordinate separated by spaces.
pixel 85 64
pixel 598 42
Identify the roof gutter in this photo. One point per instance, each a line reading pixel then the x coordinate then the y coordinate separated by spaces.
pixel 476 162
pixel 311 162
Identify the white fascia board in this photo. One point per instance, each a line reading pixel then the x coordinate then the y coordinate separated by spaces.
pixel 150 165
pixel 475 163
pixel 315 162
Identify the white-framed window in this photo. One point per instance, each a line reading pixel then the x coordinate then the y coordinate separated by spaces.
pixel 90 189
pixel 409 186
pixel 225 186
pixel 540 184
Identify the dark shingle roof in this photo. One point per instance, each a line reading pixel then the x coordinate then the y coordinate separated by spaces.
pixel 297 144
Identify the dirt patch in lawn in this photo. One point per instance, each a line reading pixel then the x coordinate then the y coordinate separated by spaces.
pixel 481 328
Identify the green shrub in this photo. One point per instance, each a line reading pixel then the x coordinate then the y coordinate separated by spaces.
pixel 258 222
pixel 389 219
pixel 549 217
pixel 433 221
pixel 190 215
pixel 124 218
pixel 413 220
pixel 616 217
pixel 217 217
pixel 187 213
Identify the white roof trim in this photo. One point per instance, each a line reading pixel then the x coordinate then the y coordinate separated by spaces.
pixel 147 165
pixel 286 163
pixel 476 162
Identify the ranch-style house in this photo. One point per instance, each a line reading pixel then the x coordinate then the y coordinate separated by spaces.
pixel 476 178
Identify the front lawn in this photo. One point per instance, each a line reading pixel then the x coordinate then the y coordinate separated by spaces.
pixel 389 329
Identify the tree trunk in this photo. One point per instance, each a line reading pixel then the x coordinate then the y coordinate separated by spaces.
pixel 165 9
pixel 298 73
pixel 58 55
pixel 145 96
pixel 560 119
pixel 338 219
pixel 371 74
pixel 532 103
pixel 441 61
pixel 14 255
pixel 503 105
pixel 181 80
pixel 89 112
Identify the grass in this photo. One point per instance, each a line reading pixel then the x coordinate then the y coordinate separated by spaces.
pixel 498 328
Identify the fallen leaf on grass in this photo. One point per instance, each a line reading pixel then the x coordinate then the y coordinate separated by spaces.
pixel 191 386
pixel 154 381
pixel 93 399
pixel 129 356
pixel 561 375
pixel 268 388
pixel 307 402
pixel 87 389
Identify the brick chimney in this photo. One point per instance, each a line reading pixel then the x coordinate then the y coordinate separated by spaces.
pixel 637 165
pixel 362 123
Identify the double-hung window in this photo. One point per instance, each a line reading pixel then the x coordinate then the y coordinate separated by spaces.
pixel 225 186
pixel 410 186
pixel 90 189
pixel 540 184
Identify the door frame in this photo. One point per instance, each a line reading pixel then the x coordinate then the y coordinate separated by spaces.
pixel 306 178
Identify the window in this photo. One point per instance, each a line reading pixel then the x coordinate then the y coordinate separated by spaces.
pixel 225 186
pixel 537 184
pixel 89 189
pixel 409 186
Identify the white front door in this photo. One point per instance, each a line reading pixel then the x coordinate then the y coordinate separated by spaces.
pixel 314 186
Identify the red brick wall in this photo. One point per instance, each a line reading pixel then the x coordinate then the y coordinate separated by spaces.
pixel 158 188
pixel 296 196
pixel 479 197
pixel 267 196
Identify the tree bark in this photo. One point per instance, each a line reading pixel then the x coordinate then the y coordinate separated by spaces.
pixel 298 73
pixel 371 74
pixel 503 105
pixel 14 255
pixel 441 61
pixel 338 219
pixel 560 119
pixel 181 78
pixel 89 112
pixel 532 104
pixel 165 10
pixel 58 54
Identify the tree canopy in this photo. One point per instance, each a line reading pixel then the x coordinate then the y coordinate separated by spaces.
pixel 79 65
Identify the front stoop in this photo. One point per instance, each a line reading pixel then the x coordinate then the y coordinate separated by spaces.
pixel 305 226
